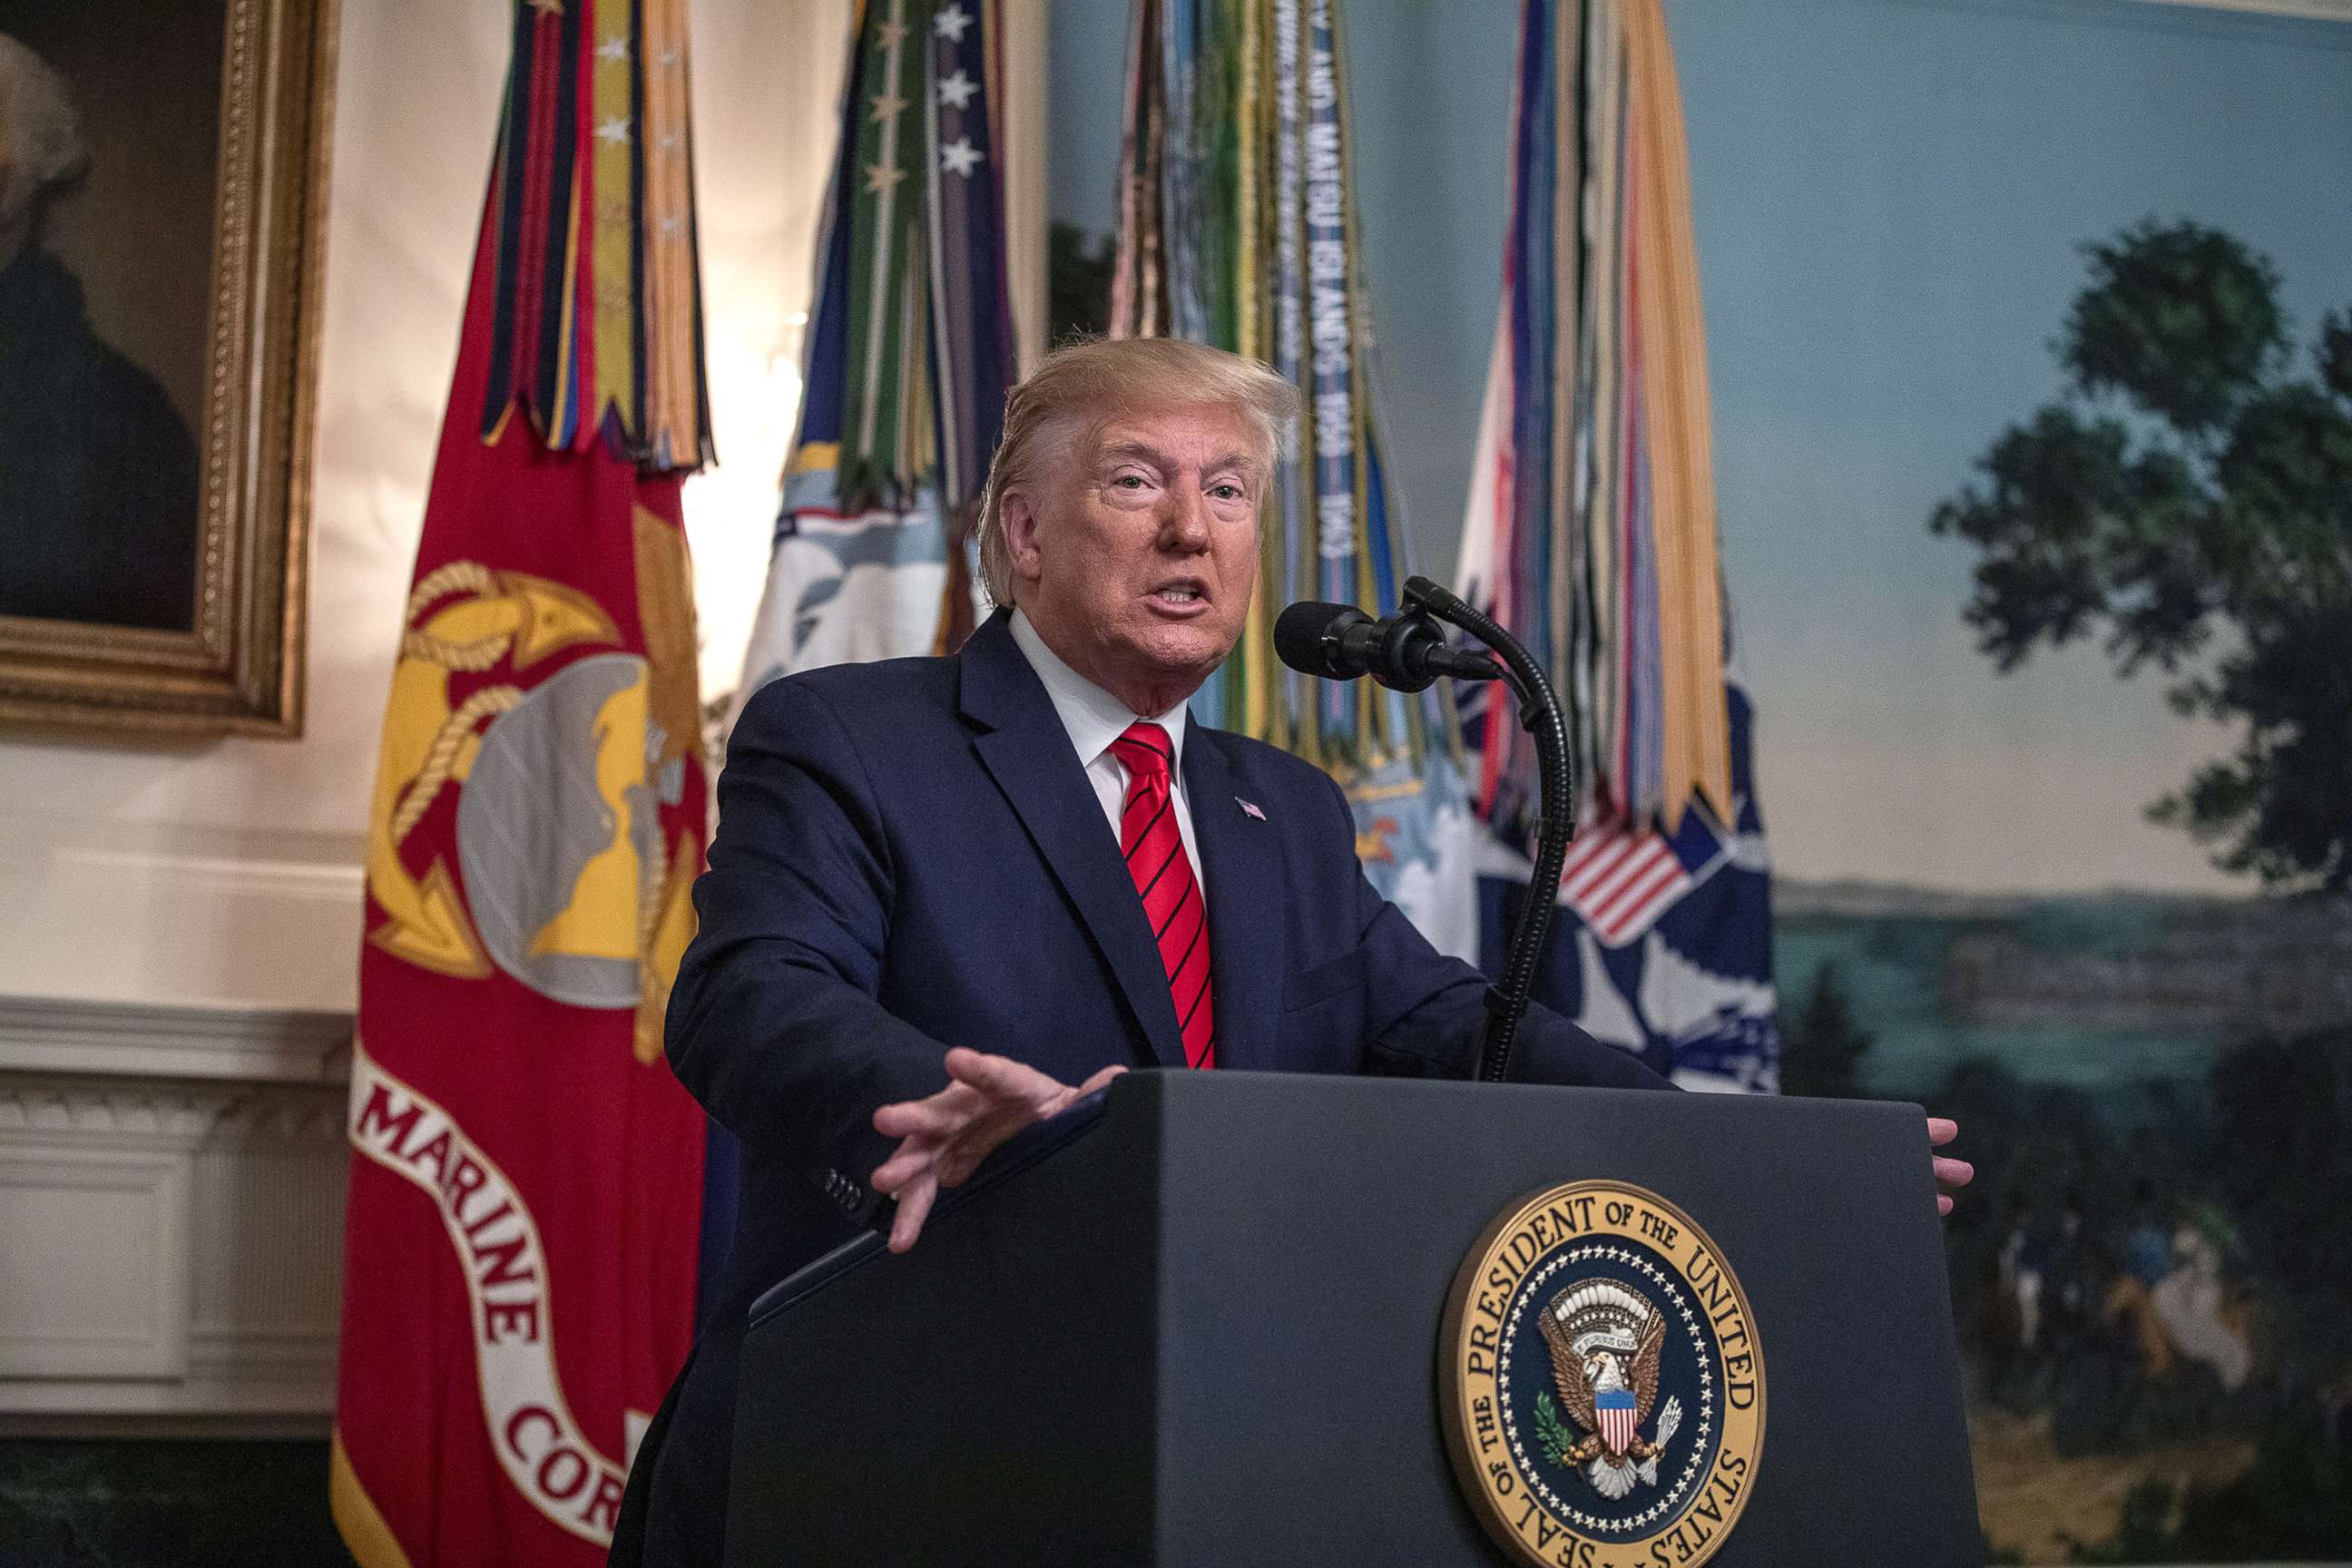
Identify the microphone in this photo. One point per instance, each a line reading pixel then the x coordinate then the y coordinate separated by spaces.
pixel 1404 652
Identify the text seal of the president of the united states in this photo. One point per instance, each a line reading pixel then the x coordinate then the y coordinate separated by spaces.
pixel 1600 1383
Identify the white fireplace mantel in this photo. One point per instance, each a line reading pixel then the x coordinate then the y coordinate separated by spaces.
pixel 171 1218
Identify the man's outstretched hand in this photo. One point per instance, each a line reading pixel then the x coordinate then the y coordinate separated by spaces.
pixel 1950 1172
pixel 943 1139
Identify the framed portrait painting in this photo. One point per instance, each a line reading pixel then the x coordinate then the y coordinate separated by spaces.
pixel 163 171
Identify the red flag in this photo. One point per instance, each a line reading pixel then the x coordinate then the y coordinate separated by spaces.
pixel 526 1177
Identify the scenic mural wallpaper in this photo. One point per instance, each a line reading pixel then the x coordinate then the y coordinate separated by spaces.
pixel 2030 326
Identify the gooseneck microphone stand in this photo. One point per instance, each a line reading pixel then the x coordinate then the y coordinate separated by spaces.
pixel 1555 824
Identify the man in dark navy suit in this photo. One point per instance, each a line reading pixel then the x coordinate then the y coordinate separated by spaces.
pixel 950 896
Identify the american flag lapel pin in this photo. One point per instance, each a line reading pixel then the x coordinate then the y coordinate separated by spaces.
pixel 1250 806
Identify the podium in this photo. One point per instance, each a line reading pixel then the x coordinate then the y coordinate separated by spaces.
pixel 1198 1322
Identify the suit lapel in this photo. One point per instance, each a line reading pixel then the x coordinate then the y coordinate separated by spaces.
pixel 1242 864
pixel 1028 753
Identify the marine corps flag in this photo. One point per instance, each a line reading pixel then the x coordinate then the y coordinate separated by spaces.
pixel 526 1178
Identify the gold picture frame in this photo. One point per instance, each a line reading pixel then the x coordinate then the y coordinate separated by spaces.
pixel 238 666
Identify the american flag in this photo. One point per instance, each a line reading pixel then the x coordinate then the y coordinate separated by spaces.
pixel 1620 879
pixel 1615 1408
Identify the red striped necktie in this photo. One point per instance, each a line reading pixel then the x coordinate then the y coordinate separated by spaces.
pixel 1155 855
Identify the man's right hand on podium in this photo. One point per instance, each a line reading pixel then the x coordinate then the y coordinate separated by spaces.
pixel 943 1139
pixel 1950 1172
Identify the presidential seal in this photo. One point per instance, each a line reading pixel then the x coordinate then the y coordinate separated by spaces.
pixel 1600 1382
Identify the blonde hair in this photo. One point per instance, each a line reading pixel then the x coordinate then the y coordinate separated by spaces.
pixel 1086 383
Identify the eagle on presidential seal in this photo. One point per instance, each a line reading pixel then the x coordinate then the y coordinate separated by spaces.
pixel 1606 1339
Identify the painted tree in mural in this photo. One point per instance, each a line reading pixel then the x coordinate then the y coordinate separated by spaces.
pixel 1822 1045
pixel 2190 497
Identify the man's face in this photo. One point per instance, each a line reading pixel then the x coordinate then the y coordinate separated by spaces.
pixel 20 74
pixel 1134 553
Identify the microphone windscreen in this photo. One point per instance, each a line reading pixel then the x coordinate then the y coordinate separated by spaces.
pixel 1299 631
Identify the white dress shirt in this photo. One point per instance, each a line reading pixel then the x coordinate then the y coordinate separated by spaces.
pixel 1094 719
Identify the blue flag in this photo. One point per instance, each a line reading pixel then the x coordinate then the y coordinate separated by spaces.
pixel 1591 534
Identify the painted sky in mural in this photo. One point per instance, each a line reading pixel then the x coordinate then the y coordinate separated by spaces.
pixel 1891 199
